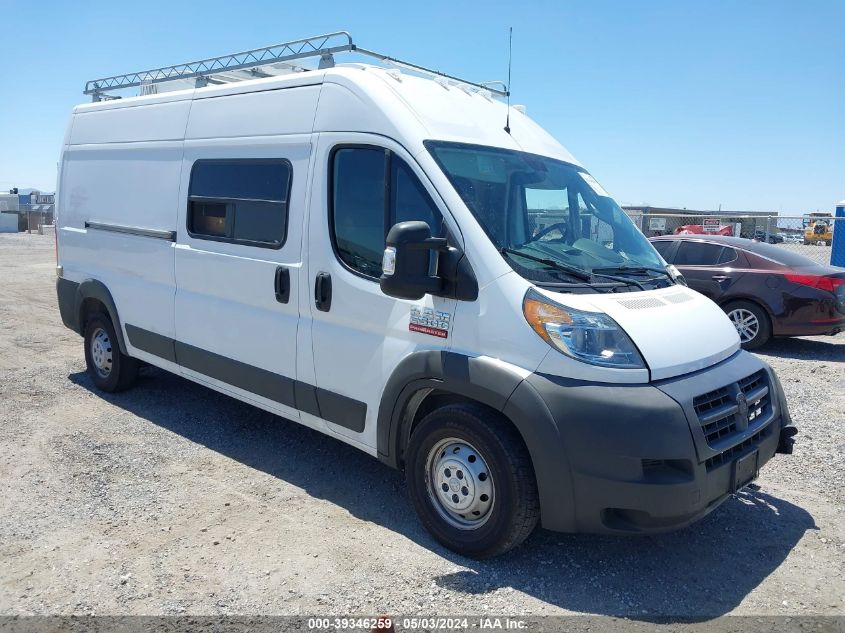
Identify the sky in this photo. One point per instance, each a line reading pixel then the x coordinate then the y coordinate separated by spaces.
pixel 668 103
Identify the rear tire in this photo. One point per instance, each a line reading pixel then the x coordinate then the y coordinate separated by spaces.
pixel 110 370
pixel 751 322
pixel 471 481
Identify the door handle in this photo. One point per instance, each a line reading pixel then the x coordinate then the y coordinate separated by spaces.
pixel 720 277
pixel 282 284
pixel 323 292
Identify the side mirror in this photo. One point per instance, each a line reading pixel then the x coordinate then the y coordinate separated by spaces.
pixel 407 270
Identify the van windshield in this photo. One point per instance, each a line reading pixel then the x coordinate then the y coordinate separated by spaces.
pixel 548 217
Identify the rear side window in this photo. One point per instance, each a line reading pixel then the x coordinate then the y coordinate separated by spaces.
pixel 663 247
pixel 371 190
pixel 728 255
pixel 698 254
pixel 243 201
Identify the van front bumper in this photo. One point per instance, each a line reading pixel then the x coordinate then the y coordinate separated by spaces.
pixel 654 457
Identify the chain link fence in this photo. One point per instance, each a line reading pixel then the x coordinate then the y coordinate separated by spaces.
pixel 810 235
pixel 32 218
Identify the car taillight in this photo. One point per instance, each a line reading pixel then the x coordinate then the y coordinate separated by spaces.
pixel 831 284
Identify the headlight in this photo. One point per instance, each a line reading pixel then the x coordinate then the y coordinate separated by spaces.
pixel 591 337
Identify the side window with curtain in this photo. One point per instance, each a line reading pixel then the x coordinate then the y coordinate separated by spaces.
pixel 373 189
pixel 243 201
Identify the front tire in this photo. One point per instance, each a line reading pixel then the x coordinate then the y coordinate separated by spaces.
pixel 471 481
pixel 751 323
pixel 110 370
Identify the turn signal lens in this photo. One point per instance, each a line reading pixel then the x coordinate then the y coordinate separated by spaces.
pixel 388 261
pixel 538 313
pixel 591 337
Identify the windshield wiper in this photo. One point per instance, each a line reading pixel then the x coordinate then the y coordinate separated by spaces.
pixel 579 273
pixel 624 280
pixel 634 269
pixel 574 271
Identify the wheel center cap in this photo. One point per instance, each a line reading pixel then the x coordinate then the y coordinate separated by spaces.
pixel 454 484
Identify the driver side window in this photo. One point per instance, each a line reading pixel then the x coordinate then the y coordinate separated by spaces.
pixel 372 189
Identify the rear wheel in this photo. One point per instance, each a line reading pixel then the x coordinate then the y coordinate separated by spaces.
pixel 751 323
pixel 109 369
pixel 471 481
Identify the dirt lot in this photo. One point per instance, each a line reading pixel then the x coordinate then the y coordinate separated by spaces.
pixel 171 498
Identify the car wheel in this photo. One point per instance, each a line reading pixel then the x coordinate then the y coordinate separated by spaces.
pixel 471 481
pixel 109 369
pixel 751 323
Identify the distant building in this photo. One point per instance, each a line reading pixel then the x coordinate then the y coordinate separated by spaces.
pixel 664 220
pixel 35 209
pixel 9 205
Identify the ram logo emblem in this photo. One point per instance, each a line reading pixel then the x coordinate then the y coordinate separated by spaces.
pixel 742 412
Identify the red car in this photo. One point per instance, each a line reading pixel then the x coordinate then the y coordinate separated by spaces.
pixel 766 290
pixel 698 229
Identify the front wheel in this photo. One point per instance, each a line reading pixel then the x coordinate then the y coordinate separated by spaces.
pixel 471 481
pixel 751 323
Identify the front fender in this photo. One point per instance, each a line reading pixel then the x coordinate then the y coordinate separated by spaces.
pixel 497 385
pixel 483 379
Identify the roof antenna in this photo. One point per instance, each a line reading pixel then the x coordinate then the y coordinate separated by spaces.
pixel 510 57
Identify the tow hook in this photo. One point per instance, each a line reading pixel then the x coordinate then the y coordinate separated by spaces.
pixel 787 441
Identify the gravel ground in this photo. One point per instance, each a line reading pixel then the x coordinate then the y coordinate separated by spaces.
pixel 171 498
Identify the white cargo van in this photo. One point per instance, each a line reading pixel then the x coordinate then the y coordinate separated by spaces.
pixel 370 252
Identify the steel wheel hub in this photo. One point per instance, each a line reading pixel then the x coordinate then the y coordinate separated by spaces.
pixel 746 324
pixel 459 483
pixel 101 352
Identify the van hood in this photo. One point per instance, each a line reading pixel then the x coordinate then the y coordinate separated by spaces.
pixel 676 329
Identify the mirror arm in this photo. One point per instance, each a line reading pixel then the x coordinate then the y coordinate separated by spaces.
pixel 439 244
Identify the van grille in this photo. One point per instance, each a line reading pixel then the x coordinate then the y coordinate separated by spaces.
pixel 726 416
pixel 716 414
pixel 726 456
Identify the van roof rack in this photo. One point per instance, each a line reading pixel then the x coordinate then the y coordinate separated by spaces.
pixel 261 62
